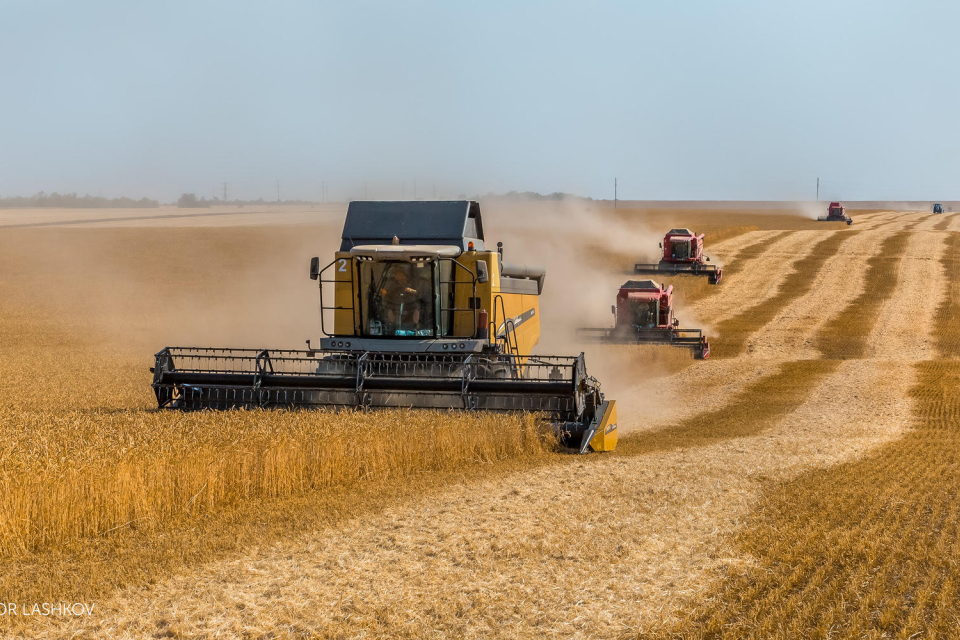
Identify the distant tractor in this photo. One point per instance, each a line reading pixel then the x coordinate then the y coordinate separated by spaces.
pixel 836 213
pixel 644 315
pixel 682 254
pixel 938 208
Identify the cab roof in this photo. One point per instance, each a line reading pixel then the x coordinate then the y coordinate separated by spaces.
pixel 641 284
pixel 434 222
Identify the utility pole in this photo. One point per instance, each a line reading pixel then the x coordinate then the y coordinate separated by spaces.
pixel 224 191
pixel 818 189
pixel 614 193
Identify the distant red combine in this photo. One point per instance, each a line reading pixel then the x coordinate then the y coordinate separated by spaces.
pixel 682 254
pixel 644 315
pixel 836 213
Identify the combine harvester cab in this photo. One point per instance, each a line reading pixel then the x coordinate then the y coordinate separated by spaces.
pixel 836 213
pixel 644 315
pixel 938 208
pixel 416 313
pixel 682 254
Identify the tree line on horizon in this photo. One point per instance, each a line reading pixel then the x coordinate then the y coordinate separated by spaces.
pixel 73 201
pixel 191 201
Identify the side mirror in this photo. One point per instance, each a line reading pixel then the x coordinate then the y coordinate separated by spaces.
pixel 613 309
pixel 482 275
pixel 314 268
pixel 708 258
pixel 661 245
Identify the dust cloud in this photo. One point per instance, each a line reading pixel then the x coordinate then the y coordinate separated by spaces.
pixel 812 210
pixel 137 290
pixel 588 252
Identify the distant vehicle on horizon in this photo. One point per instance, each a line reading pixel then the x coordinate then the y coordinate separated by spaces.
pixel 836 213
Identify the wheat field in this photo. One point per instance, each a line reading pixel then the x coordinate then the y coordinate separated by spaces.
pixel 797 484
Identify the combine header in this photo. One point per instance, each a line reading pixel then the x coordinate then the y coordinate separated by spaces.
pixel 836 213
pixel 644 315
pixel 682 253
pixel 416 313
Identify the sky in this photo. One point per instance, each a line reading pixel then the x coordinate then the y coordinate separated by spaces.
pixel 682 100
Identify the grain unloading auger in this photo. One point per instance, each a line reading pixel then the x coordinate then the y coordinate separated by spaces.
pixel 418 314
pixel 682 254
pixel 644 315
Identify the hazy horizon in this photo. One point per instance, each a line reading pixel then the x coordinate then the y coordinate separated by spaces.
pixel 691 101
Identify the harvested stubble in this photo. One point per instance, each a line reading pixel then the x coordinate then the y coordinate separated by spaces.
pixel 752 411
pixel 690 288
pixel 734 332
pixel 845 336
pixel 944 224
pixel 775 395
pixel 866 549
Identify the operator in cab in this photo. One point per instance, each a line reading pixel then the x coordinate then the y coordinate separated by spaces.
pixel 645 314
pixel 406 300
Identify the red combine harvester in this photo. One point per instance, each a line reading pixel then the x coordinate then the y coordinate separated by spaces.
pixel 644 315
pixel 682 253
pixel 836 213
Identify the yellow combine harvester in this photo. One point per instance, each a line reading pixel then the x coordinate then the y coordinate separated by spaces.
pixel 416 312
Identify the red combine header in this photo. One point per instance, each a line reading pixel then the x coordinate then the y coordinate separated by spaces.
pixel 644 315
pixel 682 254
pixel 836 213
